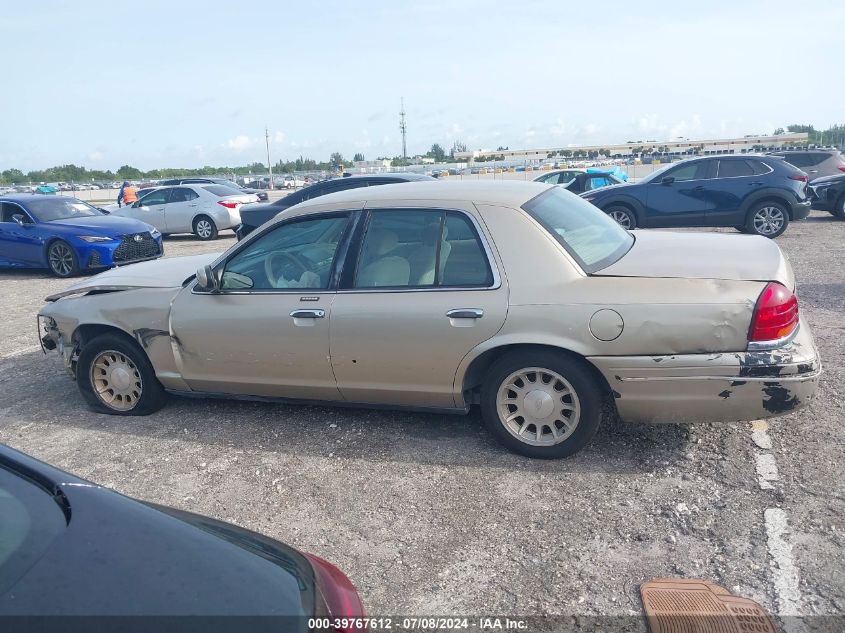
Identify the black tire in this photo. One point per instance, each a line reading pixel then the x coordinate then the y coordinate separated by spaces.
pixel 151 396
pixel 753 225
pixel 623 215
pixel 588 395
pixel 62 259
pixel 205 228
pixel 839 208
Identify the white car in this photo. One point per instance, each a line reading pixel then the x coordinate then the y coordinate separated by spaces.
pixel 292 182
pixel 199 209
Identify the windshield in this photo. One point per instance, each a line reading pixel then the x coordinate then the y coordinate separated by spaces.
pixel 58 208
pixel 30 521
pixel 588 234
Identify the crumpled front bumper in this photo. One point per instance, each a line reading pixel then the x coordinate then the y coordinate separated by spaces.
pixel 721 387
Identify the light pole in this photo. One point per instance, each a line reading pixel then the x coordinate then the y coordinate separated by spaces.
pixel 269 164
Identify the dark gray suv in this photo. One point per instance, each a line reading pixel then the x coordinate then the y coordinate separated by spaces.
pixel 815 162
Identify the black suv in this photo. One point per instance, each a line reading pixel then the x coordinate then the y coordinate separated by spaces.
pixel 754 194
pixel 262 195
pixel 253 216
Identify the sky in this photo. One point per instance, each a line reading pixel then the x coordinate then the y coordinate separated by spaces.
pixel 186 84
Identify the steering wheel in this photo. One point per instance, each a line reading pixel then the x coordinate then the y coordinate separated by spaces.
pixel 270 259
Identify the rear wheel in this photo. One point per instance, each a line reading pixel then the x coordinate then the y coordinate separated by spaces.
pixel 62 259
pixel 205 228
pixel 115 376
pixel 541 404
pixel 623 216
pixel 768 219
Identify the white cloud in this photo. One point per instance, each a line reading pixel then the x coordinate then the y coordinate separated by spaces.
pixel 97 155
pixel 456 129
pixel 590 129
pixel 279 137
pixel 239 143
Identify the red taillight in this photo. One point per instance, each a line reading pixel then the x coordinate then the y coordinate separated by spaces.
pixel 841 168
pixel 229 204
pixel 801 177
pixel 341 598
pixel 775 315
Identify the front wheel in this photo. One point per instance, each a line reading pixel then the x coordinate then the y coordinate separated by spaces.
pixel 205 228
pixel 541 404
pixel 623 216
pixel 839 208
pixel 62 259
pixel 768 219
pixel 115 376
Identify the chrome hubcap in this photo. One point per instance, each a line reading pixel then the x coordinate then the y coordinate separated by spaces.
pixel 116 380
pixel 538 406
pixel 622 218
pixel 61 259
pixel 768 220
pixel 204 228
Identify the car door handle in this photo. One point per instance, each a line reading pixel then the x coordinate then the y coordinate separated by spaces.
pixel 465 313
pixel 755 184
pixel 193 205
pixel 698 188
pixel 308 314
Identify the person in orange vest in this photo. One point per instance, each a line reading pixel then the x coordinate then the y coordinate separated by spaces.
pixel 127 195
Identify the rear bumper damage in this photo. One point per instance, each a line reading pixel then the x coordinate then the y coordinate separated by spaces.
pixel 722 387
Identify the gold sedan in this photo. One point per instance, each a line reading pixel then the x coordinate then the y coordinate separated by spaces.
pixel 517 297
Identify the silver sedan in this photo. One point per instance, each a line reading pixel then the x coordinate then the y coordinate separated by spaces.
pixel 519 298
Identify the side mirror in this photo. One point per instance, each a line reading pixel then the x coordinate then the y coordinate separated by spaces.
pixel 667 180
pixel 136 204
pixel 207 280
pixel 18 219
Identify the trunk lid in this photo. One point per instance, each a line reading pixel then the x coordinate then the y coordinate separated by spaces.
pixel 703 256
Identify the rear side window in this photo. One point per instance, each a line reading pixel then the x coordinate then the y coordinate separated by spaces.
pixel 734 169
pixel 759 167
pixel 798 160
pixel 183 194
pixel 418 248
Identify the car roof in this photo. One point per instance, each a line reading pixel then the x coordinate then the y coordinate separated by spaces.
pixel 509 192
pixel 408 176
pixel 23 197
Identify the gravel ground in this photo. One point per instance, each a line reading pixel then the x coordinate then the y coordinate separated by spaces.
pixel 428 515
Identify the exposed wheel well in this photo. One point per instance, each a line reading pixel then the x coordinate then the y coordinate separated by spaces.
pixel 85 333
pixel 477 369
pixel 774 199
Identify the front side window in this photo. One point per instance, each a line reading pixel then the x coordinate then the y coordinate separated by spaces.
pixel 593 239
pixel 692 171
pixel 159 196
pixel 8 210
pixel 421 248
pixel 296 254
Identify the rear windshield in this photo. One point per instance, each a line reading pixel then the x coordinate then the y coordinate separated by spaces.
pixel 588 234
pixel 222 190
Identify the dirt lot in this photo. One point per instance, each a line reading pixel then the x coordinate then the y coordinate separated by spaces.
pixel 428 515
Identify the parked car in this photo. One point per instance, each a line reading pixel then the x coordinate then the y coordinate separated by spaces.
pixel 262 195
pixel 253 216
pixel 816 163
pixel 97 553
pixel 426 296
pixel 754 194
pixel 203 210
pixel 68 236
pixel 578 180
pixel 828 194
pixel 614 170
pixel 291 182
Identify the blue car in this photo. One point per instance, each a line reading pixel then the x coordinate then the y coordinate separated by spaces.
pixel 69 236
pixel 759 195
